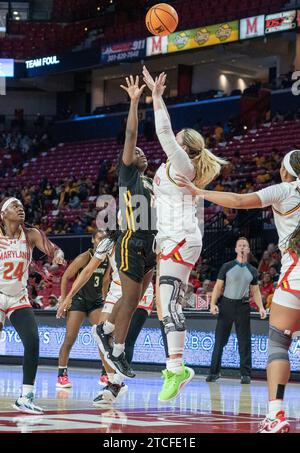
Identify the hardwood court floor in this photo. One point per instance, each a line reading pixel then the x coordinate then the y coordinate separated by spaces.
pixel 222 407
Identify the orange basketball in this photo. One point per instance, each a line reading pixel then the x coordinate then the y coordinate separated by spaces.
pixel 161 19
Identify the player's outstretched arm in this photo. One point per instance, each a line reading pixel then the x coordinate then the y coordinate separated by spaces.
pixel 226 199
pixel 39 240
pixel 134 92
pixel 78 263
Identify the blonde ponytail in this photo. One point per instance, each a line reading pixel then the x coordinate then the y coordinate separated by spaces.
pixel 207 165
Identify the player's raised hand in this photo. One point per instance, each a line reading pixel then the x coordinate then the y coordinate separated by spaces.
pixel 148 79
pixel 132 89
pixel 159 85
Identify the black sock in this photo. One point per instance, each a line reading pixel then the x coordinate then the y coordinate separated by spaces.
pixel 62 371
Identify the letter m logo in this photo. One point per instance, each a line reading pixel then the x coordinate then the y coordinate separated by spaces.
pixel 251 26
pixel 156 45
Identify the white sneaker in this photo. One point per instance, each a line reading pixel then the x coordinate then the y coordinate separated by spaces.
pixel 109 395
pixel 25 404
pixel 123 390
pixel 275 425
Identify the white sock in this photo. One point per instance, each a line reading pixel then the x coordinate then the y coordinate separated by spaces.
pixel 108 327
pixel 175 365
pixel 118 349
pixel 110 376
pixel 275 406
pixel 176 342
pixel 117 379
pixel 26 389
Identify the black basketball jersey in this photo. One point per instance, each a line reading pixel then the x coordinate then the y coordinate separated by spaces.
pixel 92 290
pixel 136 200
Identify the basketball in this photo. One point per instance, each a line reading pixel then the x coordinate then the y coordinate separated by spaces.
pixel 161 19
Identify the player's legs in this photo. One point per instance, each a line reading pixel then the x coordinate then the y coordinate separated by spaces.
pixel 158 310
pixel 114 385
pixel 96 317
pixel 73 324
pixel 137 321
pixel 176 263
pixel 173 281
pixel 24 322
pixel 284 320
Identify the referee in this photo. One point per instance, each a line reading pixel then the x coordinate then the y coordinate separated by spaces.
pixel 236 277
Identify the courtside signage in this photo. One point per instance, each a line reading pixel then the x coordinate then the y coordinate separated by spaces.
pixel 40 62
pixel 251 27
pixel 280 21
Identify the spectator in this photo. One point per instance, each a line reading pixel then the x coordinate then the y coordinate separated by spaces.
pixel 266 287
pixel 218 133
pixel 194 280
pixel 274 273
pixel 205 288
pixel 265 262
pixel 53 302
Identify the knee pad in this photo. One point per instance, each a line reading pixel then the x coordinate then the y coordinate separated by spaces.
pixel 279 344
pixel 175 321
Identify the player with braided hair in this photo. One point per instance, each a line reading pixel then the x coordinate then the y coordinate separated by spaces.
pixel 285 310
pixel 17 242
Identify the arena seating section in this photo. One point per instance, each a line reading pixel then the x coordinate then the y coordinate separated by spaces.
pixel 193 13
pixel 83 159
pixel 29 39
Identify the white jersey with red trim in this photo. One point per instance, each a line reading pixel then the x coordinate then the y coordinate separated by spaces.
pixel 176 209
pixel 15 257
pixel 285 201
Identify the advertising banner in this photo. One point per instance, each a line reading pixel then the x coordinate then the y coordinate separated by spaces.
pixel 251 27
pixel 280 21
pixel 149 347
pixel 123 51
pixel 203 36
pixel 156 45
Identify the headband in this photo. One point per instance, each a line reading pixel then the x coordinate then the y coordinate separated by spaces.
pixel 287 164
pixel 8 202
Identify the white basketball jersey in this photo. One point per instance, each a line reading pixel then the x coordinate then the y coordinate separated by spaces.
pixel 176 208
pixel 285 201
pixel 15 257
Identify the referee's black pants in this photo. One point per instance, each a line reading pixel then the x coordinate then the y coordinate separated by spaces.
pixel 233 311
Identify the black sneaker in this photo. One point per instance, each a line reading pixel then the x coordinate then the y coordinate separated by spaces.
pixel 107 396
pixel 245 380
pixel 103 340
pixel 212 377
pixel 121 365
